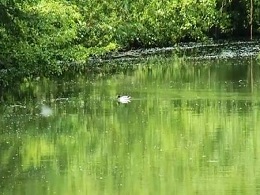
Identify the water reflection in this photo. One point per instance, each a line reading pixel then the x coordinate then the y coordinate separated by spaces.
pixel 192 128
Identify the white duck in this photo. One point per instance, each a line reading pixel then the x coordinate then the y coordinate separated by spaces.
pixel 46 111
pixel 124 99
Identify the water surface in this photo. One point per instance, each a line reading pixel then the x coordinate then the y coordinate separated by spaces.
pixel 192 127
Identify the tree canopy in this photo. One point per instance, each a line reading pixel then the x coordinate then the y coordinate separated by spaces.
pixel 46 37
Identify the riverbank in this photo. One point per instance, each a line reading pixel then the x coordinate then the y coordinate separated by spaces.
pixel 49 38
pixel 192 50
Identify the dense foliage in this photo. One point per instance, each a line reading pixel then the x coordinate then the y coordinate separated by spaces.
pixel 45 37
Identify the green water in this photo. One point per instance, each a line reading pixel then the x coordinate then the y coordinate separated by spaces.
pixel 192 127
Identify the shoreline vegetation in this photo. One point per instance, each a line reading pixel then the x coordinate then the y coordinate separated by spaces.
pixel 200 51
pixel 45 38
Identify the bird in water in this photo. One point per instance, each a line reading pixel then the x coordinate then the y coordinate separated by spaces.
pixel 124 99
pixel 46 111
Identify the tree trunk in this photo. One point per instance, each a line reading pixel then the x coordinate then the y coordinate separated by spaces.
pixel 251 19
